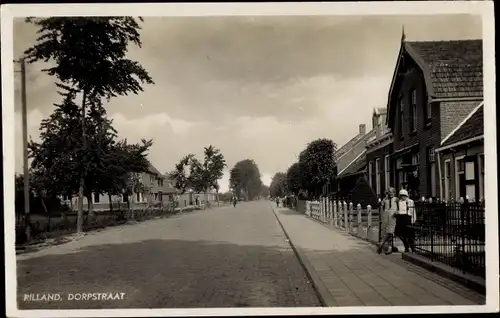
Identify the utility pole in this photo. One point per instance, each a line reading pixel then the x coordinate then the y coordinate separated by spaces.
pixel 27 223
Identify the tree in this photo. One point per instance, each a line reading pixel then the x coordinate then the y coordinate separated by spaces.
pixel 245 179
pixel 278 187
pixel 179 176
pixel 317 165
pixel 264 192
pixel 122 165
pixel 214 164
pixel 58 156
pixel 294 178
pixel 89 55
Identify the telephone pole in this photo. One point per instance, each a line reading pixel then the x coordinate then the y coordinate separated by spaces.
pixel 27 224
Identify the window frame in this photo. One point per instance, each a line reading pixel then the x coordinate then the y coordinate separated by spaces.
pixel 457 174
pixel 413 111
pixel 377 176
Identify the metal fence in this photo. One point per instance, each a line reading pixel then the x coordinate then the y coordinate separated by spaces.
pixel 449 233
pixel 51 225
pixel 453 234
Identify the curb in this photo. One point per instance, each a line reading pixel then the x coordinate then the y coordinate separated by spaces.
pixel 465 280
pixel 319 288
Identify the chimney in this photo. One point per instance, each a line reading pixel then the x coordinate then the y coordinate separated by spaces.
pixel 362 129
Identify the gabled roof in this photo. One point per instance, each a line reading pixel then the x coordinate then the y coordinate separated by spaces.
pixel 455 68
pixel 472 126
pixel 349 145
pixel 355 165
pixel 451 69
pixel 153 170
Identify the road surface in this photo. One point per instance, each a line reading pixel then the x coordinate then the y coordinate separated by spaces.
pixel 223 257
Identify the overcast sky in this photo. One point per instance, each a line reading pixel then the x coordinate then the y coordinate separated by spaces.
pixel 254 87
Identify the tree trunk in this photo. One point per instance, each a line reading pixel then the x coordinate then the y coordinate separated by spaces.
pixel 217 197
pixel 79 217
pixel 110 203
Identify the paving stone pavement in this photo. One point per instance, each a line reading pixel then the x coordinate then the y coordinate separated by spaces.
pixel 348 272
pixel 222 257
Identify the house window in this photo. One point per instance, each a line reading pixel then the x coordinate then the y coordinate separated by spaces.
pixel 152 179
pixel 431 154
pixel 413 113
pixel 96 197
pixel 377 176
pixel 387 172
pixel 401 118
pixel 370 171
pixel 432 171
pixel 459 177
pixel 415 159
pixel 399 163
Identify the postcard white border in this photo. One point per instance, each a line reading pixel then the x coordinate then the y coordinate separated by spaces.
pixel 482 8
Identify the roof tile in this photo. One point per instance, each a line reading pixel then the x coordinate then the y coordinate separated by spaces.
pixel 473 127
pixel 456 67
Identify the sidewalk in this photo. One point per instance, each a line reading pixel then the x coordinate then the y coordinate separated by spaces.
pixel 346 271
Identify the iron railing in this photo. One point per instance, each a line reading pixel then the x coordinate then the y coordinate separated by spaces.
pixel 452 234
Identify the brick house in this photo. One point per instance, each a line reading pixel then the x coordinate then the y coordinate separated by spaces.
pixel 351 162
pixel 378 153
pixel 435 86
pixel 461 159
pixel 157 190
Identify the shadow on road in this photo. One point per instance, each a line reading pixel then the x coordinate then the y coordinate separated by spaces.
pixel 168 274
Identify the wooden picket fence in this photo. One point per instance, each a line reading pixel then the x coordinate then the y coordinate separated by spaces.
pixel 357 221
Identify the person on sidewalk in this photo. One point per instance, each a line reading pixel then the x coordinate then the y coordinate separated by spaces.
pixel 388 220
pixel 405 218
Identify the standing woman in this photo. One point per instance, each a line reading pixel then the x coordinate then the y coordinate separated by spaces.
pixel 390 205
pixel 405 218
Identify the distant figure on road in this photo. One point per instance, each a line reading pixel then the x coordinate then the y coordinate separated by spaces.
pixel 235 200
pixel 390 205
pixel 278 202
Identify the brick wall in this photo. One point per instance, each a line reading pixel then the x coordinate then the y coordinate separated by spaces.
pixel 453 113
pixel 380 153
pixel 427 134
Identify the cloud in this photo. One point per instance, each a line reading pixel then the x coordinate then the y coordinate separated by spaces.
pixel 254 87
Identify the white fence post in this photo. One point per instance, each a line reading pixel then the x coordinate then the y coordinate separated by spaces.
pixel 359 225
pixel 335 211
pixel 345 211
pixel 369 232
pixel 323 208
pixel 351 212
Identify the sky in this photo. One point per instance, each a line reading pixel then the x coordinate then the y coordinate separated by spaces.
pixel 255 87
